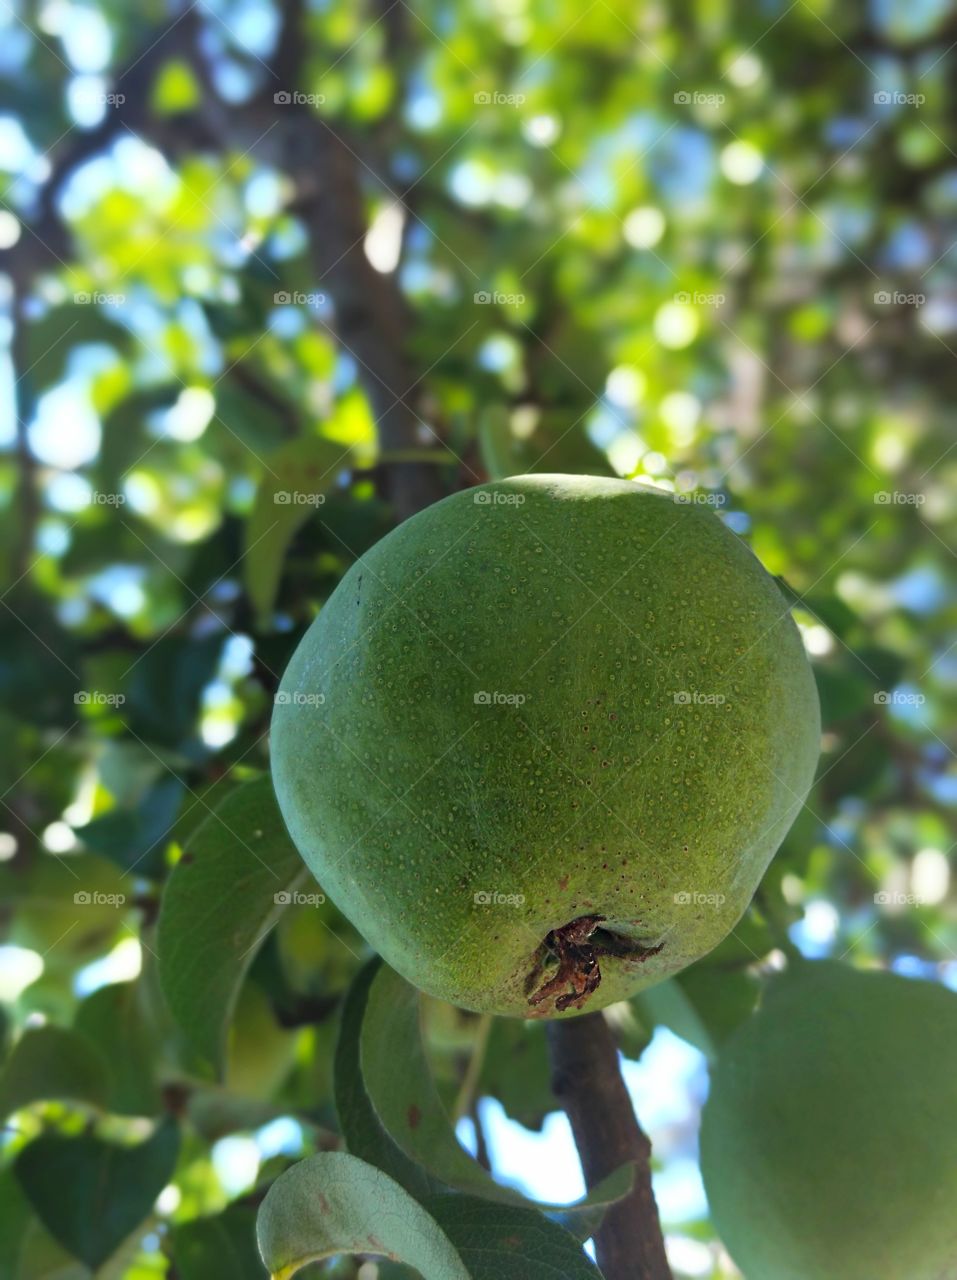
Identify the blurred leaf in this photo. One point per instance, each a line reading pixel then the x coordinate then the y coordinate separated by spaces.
pixel 137 838
pixel 52 1062
pixel 116 1019
pixel 15 1215
pixel 69 909
pixel 224 895
pixel 298 476
pixel 165 687
pixel 702 1005
pixel 91 1194
pixel 516 1071
pixel 222 1247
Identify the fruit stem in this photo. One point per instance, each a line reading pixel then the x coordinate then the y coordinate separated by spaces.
pixel 587 1081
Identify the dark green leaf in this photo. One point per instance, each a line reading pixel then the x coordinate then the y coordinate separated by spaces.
pixel 53 1062
pixel 364 1134
pixel 222 1247
pixel 225 894
pixel 117 1020
pixel 165 687
pixel 92 1194
pixel 402 1091
pixel 292 489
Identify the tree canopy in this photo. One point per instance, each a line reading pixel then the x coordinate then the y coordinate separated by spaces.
pixel 276 275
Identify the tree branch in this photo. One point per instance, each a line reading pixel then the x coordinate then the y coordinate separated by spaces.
pixel 587 1081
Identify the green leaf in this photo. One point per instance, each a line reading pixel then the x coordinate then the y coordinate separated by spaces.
pixel 558 443
pixel 402 1091
pixel 91 1194
pixel 224 895
pixel 293 488
pixel 165 687
pixel 516 1071
pixel 15 1217
pixel 221 1247
pixel 137 837
pixel 361 1127
pixel 116 1019
pixel 53 1062
pixel 509 1242
pixel 703 1005
pixel 335 1203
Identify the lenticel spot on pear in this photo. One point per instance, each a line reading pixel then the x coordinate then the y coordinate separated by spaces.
pixel 542 741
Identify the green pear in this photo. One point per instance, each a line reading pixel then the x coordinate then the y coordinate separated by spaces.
pixel 543 740
pixel 829 1140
